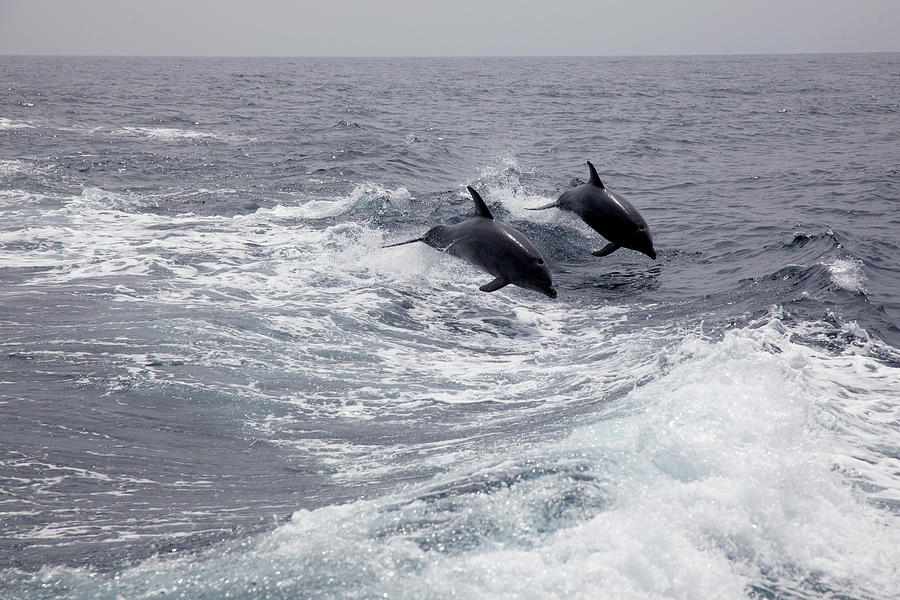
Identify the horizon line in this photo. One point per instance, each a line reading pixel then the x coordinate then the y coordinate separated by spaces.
pixel 443 56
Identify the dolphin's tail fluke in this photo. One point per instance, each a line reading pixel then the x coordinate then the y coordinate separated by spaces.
pixel 421 239
pixel 545 207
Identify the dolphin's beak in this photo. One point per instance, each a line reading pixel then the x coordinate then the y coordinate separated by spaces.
pixel 550 292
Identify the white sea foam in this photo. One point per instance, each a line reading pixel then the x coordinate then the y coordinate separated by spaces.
pixel 10 167
pixel 167 133
pixel 100 233
pixel 170 134
pixel 719 477
pixel 12 124
pixel 848 274
pixel 712 480
pixel 270 260
pixel 80 128
pixel 503 184
pixel 712 465
pixel 332 207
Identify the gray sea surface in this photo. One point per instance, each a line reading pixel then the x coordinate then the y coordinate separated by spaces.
pixel 214 381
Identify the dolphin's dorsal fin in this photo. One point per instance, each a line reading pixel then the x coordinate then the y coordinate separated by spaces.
pixel 481 209
pixel 595 179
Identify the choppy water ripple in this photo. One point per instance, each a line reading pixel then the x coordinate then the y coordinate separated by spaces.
pixel 214 380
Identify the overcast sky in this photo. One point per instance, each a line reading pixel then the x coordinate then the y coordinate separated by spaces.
pixel 446 27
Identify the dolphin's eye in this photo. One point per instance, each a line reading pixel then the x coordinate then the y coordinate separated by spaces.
pixel 540 261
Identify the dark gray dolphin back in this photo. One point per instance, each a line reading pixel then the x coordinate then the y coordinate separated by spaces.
pixel 493 247
pixel 609 214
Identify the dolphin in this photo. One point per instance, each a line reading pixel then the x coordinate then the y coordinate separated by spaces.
pixel 493 247
pixel 609 214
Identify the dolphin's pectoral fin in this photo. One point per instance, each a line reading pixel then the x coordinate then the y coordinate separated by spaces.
pixel 495 285
pixel 607 249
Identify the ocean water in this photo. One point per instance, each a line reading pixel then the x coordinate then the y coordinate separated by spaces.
pixel 214 382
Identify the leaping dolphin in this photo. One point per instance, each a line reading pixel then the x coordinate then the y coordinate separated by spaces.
pixel 609 214
pixel 493 247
